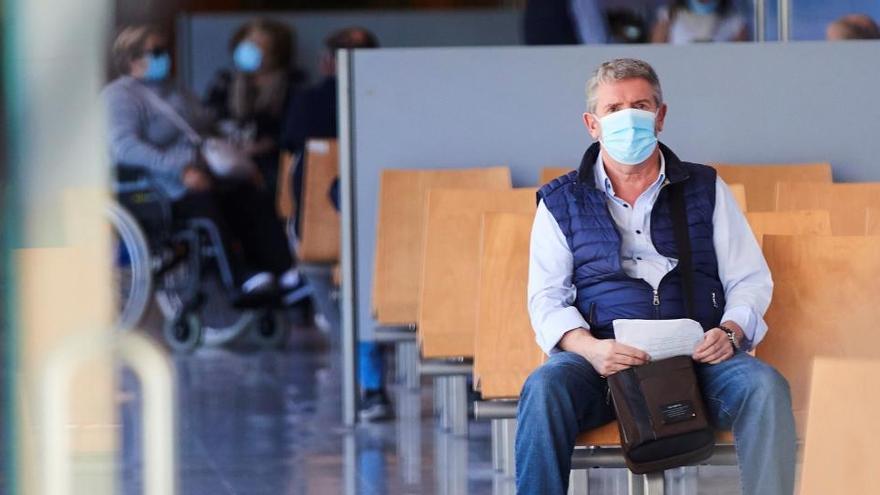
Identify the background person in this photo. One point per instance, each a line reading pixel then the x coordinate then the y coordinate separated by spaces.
pixel 250 99
pixel 853 27
pixel 692 21
pixel 142 135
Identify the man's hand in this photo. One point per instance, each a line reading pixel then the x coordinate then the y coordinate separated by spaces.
pixel 715 347
pixel 606 355
pixel 196 179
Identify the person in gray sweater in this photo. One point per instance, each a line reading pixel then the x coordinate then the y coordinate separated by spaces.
pixel 142 135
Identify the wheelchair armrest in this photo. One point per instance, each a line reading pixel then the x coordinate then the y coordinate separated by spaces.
pixel 134 185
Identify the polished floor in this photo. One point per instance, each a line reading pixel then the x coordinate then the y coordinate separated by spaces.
pixel 257 422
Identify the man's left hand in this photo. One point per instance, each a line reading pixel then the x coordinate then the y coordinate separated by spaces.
pixel 715 347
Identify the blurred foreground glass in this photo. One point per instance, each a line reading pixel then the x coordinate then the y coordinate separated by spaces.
pixel 59 348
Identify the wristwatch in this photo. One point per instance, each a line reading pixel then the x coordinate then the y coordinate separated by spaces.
pixel 731 336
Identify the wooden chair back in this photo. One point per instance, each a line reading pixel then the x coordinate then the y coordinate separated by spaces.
pixel 824 304
pixel 319 224
pixel 839 455
pixel 450 283
pixel 550 173
pixel 400 233
pixel 798 222
pixel 846 203
pixel 760 180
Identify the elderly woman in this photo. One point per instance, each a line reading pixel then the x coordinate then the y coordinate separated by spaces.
pixel 144 112
pixel 250 99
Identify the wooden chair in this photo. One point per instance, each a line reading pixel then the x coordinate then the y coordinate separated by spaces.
pixel 872 221
pixel 824 304
pixel 760 180
pixel 550 173
pixel 504 344
pixel 840 453
pixel 449 284
pixel 400 233
pixel 319 224
pixel 846 203
pixel 284 203
pixel 805 222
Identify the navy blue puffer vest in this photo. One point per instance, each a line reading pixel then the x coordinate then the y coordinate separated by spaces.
pixel 604 291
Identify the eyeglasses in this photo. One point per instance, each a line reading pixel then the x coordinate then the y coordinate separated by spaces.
pixel 158 51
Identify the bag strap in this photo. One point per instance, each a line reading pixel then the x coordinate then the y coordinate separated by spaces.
pixel 169 112
pixel 683 243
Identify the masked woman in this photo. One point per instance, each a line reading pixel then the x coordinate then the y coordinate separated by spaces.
pixel 250 100
pixel 150 123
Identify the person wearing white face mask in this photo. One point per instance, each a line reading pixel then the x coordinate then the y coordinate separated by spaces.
pixel 604 247
pixel 693 21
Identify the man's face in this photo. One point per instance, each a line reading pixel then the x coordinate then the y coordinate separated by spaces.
pixel 621 95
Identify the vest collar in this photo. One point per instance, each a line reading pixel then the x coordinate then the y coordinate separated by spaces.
pixel 675 171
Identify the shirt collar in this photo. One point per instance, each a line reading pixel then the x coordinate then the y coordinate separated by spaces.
pixel 601 175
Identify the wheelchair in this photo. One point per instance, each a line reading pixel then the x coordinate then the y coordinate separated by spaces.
pixel 181 266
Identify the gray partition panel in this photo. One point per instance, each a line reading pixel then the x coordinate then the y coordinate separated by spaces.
pixel 519 106
pixel 204 38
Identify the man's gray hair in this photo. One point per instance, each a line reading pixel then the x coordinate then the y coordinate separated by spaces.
pixel 619 69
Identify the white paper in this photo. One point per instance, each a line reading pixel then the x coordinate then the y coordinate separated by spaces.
pixel 661 339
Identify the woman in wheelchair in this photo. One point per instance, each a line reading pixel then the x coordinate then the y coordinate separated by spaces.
pixel 144 133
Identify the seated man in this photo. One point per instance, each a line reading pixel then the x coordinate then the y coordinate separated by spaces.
pixel 602 249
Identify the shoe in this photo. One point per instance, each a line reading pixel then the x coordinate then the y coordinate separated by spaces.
pixel 375 407
pixel 293 288
pixel 257 291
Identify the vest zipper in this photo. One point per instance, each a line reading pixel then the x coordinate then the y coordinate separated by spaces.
pixel 656 303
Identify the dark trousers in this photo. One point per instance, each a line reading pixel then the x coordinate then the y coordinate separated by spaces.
pixel 252 235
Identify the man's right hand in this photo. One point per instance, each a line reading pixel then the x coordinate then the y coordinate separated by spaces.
pixel 606 355
pixel 196 179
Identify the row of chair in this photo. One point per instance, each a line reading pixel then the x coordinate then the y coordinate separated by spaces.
pixel 503 348
pixel 451 270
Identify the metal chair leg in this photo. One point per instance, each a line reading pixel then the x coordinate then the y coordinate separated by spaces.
pixel 457 402
pixel 509 440
pixel 579 482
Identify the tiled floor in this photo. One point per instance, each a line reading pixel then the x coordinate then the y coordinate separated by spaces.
pixel 268 422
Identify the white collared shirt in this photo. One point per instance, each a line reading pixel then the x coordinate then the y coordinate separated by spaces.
pixel 742 269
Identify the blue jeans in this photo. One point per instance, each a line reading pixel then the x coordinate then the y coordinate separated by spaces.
pixel 566 396
pixel 370 366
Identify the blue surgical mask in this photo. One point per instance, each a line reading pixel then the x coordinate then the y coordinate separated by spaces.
pixel 247 56
pixel 628 135
pixel 158 67
pixel 703 8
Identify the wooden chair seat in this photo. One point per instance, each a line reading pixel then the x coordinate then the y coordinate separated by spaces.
pixel 608 435
pixel 400 232
pixel 760 180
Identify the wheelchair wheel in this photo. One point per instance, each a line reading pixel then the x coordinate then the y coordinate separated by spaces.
pixel 271 330
pixel 132 274
pixel 184 332
pixel 221 322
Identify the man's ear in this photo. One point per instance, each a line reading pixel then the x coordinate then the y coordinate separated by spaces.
pixel 660 119
pixel 591 122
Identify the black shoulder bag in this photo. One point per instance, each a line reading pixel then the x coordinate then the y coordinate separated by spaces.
pixel 660 410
